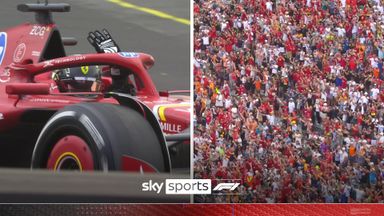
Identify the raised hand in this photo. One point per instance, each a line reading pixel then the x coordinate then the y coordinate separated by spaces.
pixel 103 42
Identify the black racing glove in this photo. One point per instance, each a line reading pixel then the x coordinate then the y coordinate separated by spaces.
pixel 103 42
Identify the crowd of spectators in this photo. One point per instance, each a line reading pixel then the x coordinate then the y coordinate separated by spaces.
pixel 288 97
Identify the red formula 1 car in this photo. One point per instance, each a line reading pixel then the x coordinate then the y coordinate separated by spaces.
pixel 84 112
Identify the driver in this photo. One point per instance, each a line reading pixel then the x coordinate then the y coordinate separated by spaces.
pixel 104 43
pixel 88 78
pixel 121 82
pixel 78 79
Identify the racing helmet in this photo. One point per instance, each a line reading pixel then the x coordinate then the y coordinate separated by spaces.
pixel 78 79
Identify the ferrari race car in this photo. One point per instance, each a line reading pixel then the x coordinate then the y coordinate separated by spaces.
pixel 96 111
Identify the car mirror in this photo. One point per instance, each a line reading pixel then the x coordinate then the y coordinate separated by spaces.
pixel 27 88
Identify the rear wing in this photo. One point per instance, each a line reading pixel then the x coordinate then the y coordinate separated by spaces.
pixel 44 10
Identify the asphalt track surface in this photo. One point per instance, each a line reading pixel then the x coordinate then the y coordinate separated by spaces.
pixel 41 186
pixel 156 27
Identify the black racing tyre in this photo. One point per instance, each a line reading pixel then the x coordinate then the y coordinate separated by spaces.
pixel 96 136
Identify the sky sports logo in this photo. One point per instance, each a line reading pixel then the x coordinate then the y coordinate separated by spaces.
pixel 191 186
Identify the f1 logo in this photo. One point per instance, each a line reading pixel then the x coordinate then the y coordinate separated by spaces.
pixel 226 186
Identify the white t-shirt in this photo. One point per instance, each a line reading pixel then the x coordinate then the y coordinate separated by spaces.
pixel 223 26
pixel 205 40
pixel 228 103
pixel 363 99
pixel 219 101
pixel 381 140
pixel 291 106
pixel 374 63
pixel 374 93
pixel 271 119
pixel 356 96
pixel 340 32
pixel 225 162
pixel 359 195
pixel 343 156
pixel 343 3
pixel 309 3
pixel 354 29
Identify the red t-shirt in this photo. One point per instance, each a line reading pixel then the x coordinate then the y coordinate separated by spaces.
pixel 352 63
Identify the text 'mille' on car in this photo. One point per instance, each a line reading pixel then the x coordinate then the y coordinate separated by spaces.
pixel 97 111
